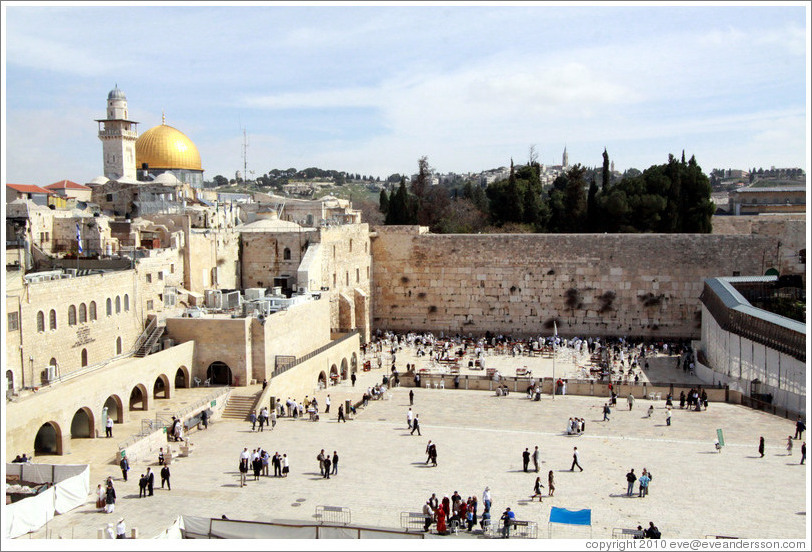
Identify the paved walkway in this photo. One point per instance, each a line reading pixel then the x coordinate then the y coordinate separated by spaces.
pixel 480 437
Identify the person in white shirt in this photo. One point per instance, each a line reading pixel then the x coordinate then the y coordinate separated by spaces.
pixel 409 418
pixel 327 404
pixel 245 458
pixel 121 530
pixel 486 498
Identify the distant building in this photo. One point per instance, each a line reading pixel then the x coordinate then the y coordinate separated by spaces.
pixel 37 194
pixel 778 199
pixel 66 188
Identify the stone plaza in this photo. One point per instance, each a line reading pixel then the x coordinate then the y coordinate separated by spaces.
pixel 695 492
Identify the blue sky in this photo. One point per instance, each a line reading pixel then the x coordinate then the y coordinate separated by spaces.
pixel 370 89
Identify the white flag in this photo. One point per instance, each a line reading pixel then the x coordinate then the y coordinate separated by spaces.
pixel 79 238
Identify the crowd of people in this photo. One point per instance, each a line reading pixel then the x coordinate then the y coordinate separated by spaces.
pixel 258 461
pixel 454 513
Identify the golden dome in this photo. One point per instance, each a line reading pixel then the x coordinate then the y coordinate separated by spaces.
pixel 165 147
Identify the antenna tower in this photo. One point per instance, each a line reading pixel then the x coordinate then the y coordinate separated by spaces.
pixel 244 156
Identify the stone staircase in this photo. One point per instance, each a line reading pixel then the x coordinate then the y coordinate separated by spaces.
pixel 241 402
pixel 148 339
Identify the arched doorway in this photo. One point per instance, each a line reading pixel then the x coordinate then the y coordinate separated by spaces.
pixel 114 409
pixel 82 425
pixel 139 399
pixel 333 374
pixel 48 439
pixel 182 377
pixel 322 380
pixel 160 390
pixel 344 369
pixel 354 363
pixel 9 380
pixel 218 373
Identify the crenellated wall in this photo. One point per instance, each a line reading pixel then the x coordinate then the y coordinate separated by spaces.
pixel 589 284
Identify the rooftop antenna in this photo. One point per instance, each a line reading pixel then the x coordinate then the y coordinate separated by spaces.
pixel 244 156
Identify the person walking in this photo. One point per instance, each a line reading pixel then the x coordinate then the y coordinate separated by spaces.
pixel 411 397
pixel 204 419
pixel 789 445
pixel 550 483
pixel 352 379
pixel 668 415
pixel 273 419
pixel 428 452
pixel 285 465
pixel 761 446
pixel 416 425
pixel 630 479
pixel 341 414
pixel 800 427
pixel 409 416
pixel 575 459
pixel 327 404
pixel 125 467
pixel 165 478
pixel 537 489
pixel 108 430
pixel 150 481
pixel 606 412
pixel 536 458
pixel 433 454
pixel 327 465
pixel 245 456
pixel 335 463
pixel 650 411
pixel 630 399
pixel 525 459
pixel 253 419
pixel 803 452
pixel 110 497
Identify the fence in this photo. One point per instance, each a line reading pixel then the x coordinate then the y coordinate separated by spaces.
pixel 620 533
pixel 284 367
pixel 413 521
pixel 525 529
pixel 337 515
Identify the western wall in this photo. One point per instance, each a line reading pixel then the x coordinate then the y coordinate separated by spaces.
pixel 645 285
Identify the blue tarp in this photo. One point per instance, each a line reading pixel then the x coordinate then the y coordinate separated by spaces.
pixel 570 517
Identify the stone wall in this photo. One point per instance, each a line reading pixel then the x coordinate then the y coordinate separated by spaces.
pixel 789 230
pixel 589 284
pixel 218 339
pixel 59 403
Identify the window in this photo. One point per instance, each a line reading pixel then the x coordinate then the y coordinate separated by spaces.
pixel 118 304
pixel 40 321
pixel 84 357
pixel 170 296
pixel 160 274
pixel 172 268
pixel 347 278
pixel 82 313
pixel 334 251
pixel 109 307
pixel 13 321
pixel 126 302
pixel 367 273
pixel 286 254
pixel 92 310
pixel 52 319
pixel 366 247
pixel 118 345
pixel 149 278
pixel 149 305
pixel 350 246
pixel 71 316
pixel 334 279
pixel 109 197
pixel 357 275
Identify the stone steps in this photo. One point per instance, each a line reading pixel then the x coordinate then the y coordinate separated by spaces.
pixel 239 407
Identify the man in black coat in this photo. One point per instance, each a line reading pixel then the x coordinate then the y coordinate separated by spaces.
pixel 165 477
pixel 150 481
pixel 525 459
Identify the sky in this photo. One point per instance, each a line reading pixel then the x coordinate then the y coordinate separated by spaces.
pixel 370 89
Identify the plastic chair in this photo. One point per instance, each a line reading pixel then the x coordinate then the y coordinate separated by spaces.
pixel 659 396
pixel 442 384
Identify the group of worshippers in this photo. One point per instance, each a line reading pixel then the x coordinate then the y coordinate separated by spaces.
pixel 327 465
pixel 643 481
pixel 534 390
pixel 265 418
pixel 106 497
pixel 694 399
pixel 176 431
pixel 258 460
pixel 297 410
pixel 576 426
pixel 451 513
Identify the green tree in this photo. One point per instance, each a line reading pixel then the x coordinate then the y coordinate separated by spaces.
pixel 606 173
pixel 575 200
pixel 383 202
pixel 594 216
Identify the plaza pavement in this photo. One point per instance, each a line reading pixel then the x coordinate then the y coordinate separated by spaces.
pixel 695 491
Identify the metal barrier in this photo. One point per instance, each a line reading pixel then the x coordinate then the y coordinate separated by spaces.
pixel 338 515
pixel 620 533
pixel 413 521
pixel 524 529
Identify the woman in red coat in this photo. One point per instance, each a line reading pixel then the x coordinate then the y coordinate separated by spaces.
pixel 441 515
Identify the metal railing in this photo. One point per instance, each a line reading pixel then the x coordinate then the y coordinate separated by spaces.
pixel 337 515
pixel 413 521
pixel 285 367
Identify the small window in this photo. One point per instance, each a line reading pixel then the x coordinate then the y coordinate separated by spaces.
pixel 92 310
pixel 13 321
pixel 350 246
pixel 737 273
pixel 357 275
pixel 334 251
pixel 149 278
pixel 118 304
pixel 334 279
pixel 367 273
pixel 52 319
pixel 84 357
pixel 149 305
pixel 71 316
pixel 118 345
pixel 40 321
pixel 109 307
pixel 109 197
pixel 160 274
pixel 366 247
pixel 347 278
pixel 286 254
pixel 126 303
pixel 172 269
pixel 82 313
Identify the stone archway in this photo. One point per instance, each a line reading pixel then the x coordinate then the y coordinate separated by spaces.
pixel 139 399
pixel 218 373
pixel 9 380
pixel 182 378
pixel 48 439
pixel 160 389
pixel 344 369
pixel 322 380
pixel 82 425
pixel 115 409
pixel 334 374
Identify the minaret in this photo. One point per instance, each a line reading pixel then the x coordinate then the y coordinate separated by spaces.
pixel 118 135
pixel 565 159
